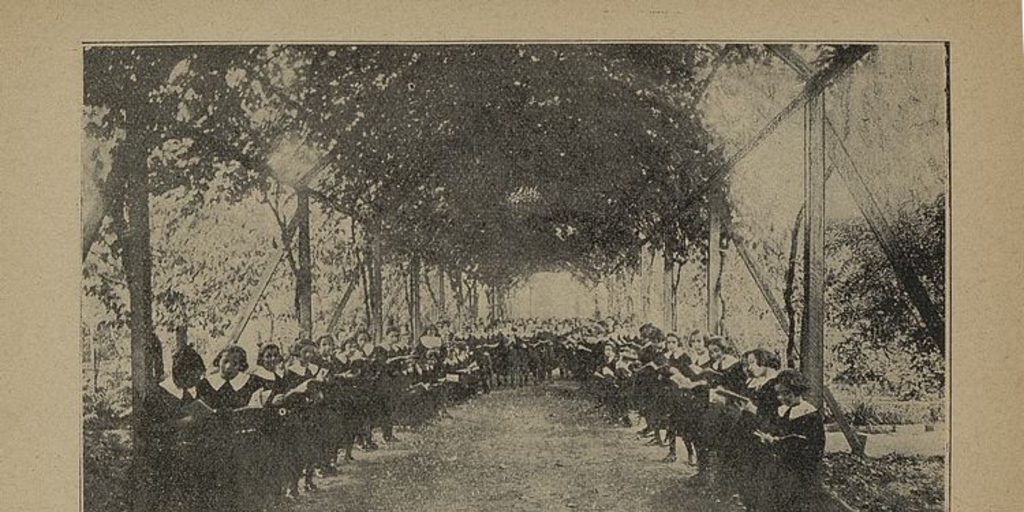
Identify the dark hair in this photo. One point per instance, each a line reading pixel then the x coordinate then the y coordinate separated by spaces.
pixel 326 338
pixel 717 341
pixel 301 344
pixel 764 358
pixel 261 356
pixel 652 333
pixel 186 361
pixel 233 349
pixel 793 381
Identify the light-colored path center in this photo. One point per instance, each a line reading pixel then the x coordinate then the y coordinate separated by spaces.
pixel 529 449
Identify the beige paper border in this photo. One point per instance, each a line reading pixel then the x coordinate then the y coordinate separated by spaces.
pixel 40 83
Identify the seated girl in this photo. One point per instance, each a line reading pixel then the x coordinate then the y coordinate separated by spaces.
pixel 270 368
pixel 796 440
pixel 232 387
pixel 175 470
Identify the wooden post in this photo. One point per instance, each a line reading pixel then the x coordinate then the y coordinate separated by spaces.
pixel 146 354
pixel 414 299
pixel 304 271
pixel 812 339
pixel 714 267
pixel 377 291
pixel 442 303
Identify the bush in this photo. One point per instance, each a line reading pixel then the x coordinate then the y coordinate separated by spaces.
pixel 106 467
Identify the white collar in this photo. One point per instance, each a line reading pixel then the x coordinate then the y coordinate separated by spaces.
pixel 237 383
pixel 297 367
pixel 726 362
pixel 799 410
pixel 266 374
pixel 173 389
pixel 759 382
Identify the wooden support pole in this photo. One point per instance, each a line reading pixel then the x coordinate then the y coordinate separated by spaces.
pixel 714 289
pixel 843 162
pixel 812 340
pixel 146 353
pixel 304 269
pixel 856 446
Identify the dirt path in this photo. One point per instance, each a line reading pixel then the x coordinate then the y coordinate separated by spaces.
pixel 530 449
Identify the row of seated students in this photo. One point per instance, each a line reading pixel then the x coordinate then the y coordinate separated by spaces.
pixel 744 422
pixel 238 439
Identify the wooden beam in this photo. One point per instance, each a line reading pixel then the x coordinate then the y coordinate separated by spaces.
pixel 812 340
pixel 841 160
pixel 339 310
pixel 759 280
pixel 886 237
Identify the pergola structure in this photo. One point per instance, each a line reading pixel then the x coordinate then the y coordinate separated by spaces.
pixel 824 152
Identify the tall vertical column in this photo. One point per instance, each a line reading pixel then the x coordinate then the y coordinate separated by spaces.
pixel 714 268
pixel 304 274
pixel 812 335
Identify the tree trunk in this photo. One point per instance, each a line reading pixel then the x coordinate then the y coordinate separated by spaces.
pixel 414 299
pixel 146 354
pixel 442 303
pixel 303 270
pixel 645 279
pixel 474 301
pixel 377 292
pixel 668 302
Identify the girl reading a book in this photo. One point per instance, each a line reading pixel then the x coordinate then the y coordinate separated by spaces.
pixel 232 387
pixel 269 368
pixel 796 441
pixel 747 454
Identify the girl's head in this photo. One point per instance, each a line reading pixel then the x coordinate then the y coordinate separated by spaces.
pixel 304 351
pixel 362 337
pixel 791 386
pixel 759 361
pixel 230 361
pixel 393 337
pixel 610 351
pixel 672 340
pixel 269 356
pixel 187 367
pixel 652 334
pixel 326 343
pixel 697 342
pixel 716 347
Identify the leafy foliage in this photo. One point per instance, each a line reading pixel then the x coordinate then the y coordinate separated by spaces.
pixel 880 327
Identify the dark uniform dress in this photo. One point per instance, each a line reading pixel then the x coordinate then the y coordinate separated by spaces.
pixel 747 456
pixel 173 457
pixel 717 431
pixel 795 460
pixel 305 422
pixel 234 440
pixel 272 465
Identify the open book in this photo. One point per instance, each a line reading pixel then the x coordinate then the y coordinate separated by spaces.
pixel 198 409
pixel 721 395
pixel 769 438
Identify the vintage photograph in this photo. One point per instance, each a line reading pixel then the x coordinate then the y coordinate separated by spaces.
pixel 600 276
